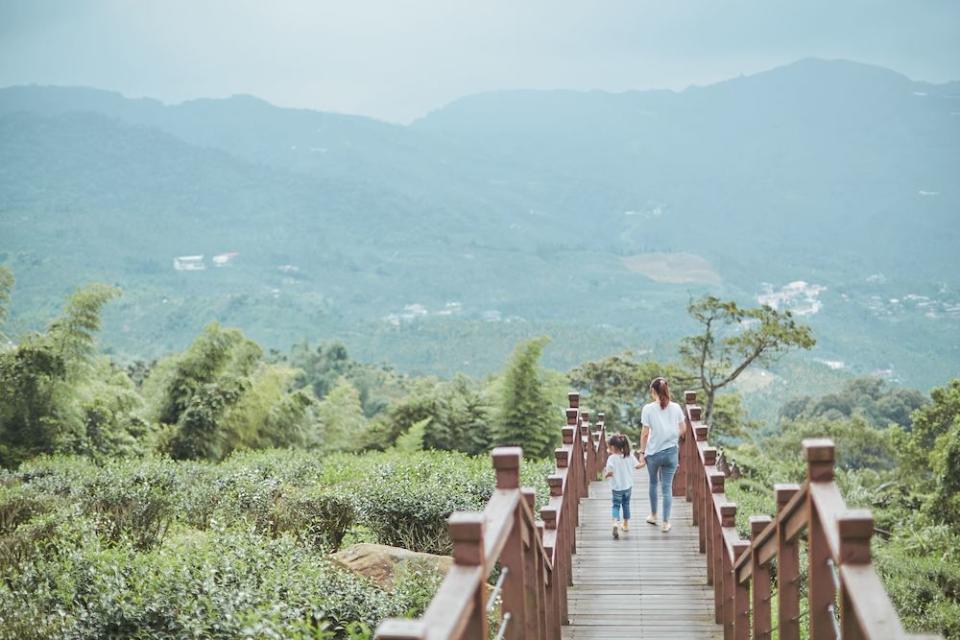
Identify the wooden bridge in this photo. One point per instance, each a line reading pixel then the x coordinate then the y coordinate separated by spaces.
pixel 563 576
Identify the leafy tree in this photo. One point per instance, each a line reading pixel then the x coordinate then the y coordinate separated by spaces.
pixel 730 422
pixel 55 396
pixel 342 419
pixel 859 444
pixel 73 333
pixel 870 397
pixel 175 380
pixel 945 460
pixel 412 440
pixel 219 395
pixel 321 368
pixel 619 386
pixel 929 430
pixel 461 418
pixel 733 338
pixel 527 418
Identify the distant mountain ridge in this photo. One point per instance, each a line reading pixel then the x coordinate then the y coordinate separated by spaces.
pixel 511 203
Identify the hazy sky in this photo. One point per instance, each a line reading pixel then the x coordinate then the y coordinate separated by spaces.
pixel 397 60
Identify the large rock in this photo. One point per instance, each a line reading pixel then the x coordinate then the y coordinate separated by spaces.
pixel 380 562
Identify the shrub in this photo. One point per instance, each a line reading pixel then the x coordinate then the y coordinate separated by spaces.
pixel 319 516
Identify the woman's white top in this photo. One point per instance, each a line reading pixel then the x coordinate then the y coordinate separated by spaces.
pixel 664 426
pixel 622 468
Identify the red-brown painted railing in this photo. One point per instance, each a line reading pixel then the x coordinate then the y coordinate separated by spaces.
pixel 534 556
pixel 741 571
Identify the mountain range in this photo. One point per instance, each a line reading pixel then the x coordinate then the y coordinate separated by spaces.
pixel 829 187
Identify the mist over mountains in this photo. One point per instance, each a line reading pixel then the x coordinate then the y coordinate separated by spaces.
pixel 587 215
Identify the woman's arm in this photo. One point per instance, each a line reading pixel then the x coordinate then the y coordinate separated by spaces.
pixel 644 436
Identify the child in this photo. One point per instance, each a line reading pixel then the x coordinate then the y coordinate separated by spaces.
pixel 620 466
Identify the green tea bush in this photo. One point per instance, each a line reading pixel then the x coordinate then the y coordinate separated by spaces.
pixel 214 584
pixel 165 549
pixel 317 516
pixel 132 500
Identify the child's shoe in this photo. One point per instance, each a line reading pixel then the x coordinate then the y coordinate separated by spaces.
pixel 626 526
pixel 616 531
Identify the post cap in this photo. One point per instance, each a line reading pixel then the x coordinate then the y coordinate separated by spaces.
pixel 855 524
pixel 740 547
pixel 466 526
pixel 819 449
pixel 507 457
pixel 555 482
pixel 783 493
pixel 716 481
pixel 529 496
pixel 758 524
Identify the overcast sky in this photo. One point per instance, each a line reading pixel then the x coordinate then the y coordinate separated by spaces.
pixel 396 60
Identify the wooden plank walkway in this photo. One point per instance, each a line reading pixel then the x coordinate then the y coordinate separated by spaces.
pixel 647 584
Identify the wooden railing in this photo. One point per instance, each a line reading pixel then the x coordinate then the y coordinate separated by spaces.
pixel 534 556
pixel 839 567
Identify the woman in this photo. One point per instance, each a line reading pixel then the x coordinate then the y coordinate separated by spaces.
pixel 662 422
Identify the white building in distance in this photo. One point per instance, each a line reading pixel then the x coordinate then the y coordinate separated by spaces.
pixel 189 263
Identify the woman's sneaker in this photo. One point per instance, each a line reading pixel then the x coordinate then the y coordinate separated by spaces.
pixel 665 526
pixel 652 519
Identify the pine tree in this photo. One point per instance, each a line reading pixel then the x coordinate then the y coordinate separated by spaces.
pixel 526 418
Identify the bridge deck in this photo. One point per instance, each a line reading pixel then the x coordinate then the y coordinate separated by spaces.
pixel 647 584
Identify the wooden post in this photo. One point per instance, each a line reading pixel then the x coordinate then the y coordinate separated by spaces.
pixel 728 515
pixel 532 569
pixel 716 545
pixel 466 531
pixel 506 463
pixel 856 529
pixel 550 608
pixel 760 584
pixel 821 592
pixel 706 510
pixel 788 571
pixel 741 596
pixel 574 398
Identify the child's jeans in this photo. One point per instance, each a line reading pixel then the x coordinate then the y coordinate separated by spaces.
pixel 621 499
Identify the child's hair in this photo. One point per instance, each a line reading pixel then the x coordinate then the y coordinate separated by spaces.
pixel 620 442
pixel 662 389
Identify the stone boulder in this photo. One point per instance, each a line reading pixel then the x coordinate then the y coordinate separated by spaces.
pixel 380 562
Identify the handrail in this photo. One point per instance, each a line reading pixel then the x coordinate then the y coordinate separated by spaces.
pixel 741 572
pixel 534 555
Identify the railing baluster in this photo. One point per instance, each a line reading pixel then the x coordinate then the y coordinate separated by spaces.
pixel 760 583
pixel 788 570
pixel 533 574
pixel 821 594
pixel 506 463
pixel 855 528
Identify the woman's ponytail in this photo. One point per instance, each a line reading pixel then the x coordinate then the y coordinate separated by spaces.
pixel 662 389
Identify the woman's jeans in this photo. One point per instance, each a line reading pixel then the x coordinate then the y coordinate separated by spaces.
pixel 661 466
pixel 621 499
